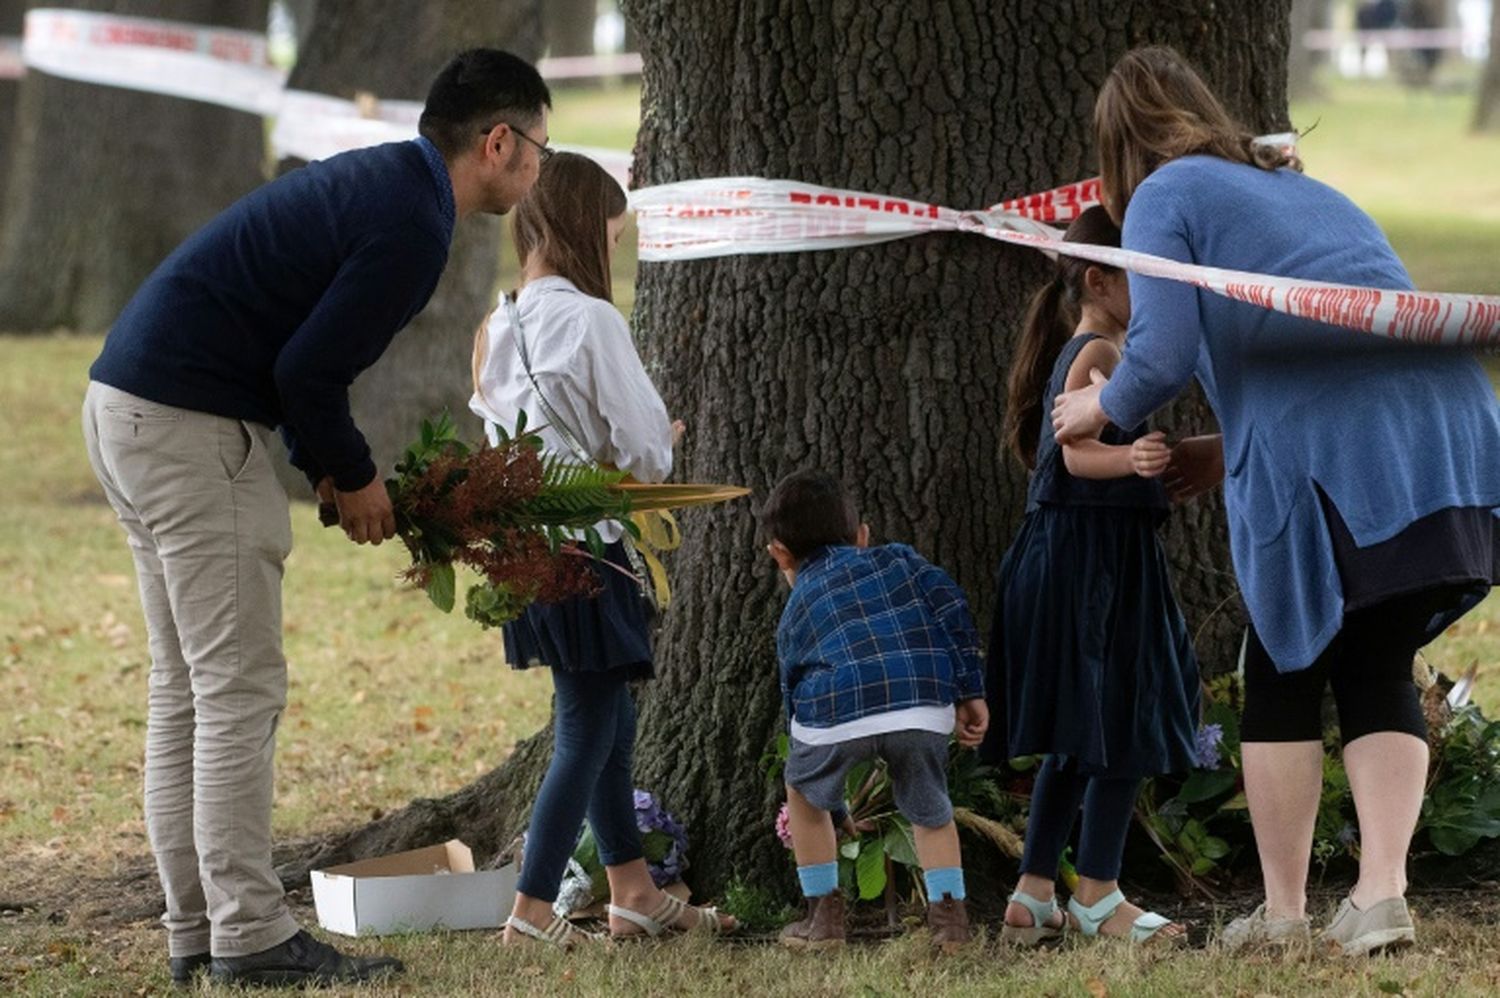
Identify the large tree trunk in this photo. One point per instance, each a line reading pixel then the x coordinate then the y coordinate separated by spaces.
pixel 104 182
pixel 568 26
pixel 884 364
pixel 1487 111
pixel 392 49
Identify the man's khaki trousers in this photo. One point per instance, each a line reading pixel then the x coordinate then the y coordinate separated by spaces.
pixel 209 526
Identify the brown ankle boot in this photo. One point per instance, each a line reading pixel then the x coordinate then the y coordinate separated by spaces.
pixel 948 920
pixel 823 928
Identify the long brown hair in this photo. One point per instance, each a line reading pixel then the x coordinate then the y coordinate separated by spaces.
pixel 1050 321
pixel 563 216
pixel 1154 108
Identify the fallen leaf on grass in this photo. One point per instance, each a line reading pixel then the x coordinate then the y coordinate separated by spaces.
pixel 1096 987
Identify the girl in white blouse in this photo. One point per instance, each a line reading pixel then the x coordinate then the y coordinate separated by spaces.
pixel 563 354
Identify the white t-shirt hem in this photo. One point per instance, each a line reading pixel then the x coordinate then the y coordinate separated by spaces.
pixel 938 720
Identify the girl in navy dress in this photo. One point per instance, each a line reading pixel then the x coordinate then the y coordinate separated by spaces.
pixel 1090 661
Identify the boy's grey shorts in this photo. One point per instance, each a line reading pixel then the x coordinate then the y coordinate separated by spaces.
pixel 916 760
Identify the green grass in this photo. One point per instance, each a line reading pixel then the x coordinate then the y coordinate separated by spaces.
pixel 391 699
pixel 1459 962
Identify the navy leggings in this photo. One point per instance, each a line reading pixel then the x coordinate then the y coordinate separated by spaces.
pixel 593 740
pixel 1055 799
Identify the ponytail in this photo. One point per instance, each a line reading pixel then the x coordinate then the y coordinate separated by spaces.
pixel 1050 320
pixel 1045 329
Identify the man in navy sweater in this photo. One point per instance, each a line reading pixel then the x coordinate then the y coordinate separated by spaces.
pixel 263 319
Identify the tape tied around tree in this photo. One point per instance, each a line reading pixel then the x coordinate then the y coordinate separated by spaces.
pixel 725 216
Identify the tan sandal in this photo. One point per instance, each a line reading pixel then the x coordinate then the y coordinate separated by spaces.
pixel 666 919
pixel 559 932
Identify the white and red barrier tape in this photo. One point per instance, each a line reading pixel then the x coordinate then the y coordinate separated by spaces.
pixel 228 68
pixel 218 65
pixel 732 215
pixel 699 218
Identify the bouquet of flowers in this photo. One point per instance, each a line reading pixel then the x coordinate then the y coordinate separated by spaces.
pixel 522 520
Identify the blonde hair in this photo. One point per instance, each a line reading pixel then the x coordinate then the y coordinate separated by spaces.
pixel 1154 108
pixel 563 218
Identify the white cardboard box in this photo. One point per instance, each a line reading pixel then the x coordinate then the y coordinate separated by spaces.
pixel 435 887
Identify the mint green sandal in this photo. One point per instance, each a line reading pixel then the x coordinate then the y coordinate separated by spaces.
pixel 1145 929
pixel 1038 931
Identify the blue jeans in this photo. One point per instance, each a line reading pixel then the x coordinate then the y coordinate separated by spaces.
pixel 1107 808
pixel 593 740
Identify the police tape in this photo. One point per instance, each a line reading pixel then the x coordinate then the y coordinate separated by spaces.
pixel 315 126
pixel 726 216
pixel 218 65
pixel 230 68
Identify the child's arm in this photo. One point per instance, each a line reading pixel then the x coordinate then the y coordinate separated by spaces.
pixel 1196 465
pixel 1089 458
pixel 947 603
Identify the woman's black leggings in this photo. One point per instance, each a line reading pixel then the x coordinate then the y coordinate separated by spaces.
pixel 1369 665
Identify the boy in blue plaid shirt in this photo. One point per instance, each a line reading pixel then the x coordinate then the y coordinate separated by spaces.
pixel 879 658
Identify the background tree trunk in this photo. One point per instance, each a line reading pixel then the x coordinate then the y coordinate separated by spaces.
pixel 568 26
pixel 1302 62
pixel 884 364
pixel 12 16
pixel 1487 111
pixel 104 182
pixel 392 49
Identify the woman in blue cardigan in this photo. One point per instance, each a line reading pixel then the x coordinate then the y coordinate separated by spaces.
pixel 1361 475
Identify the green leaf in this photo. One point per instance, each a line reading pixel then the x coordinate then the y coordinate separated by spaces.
pixel 1205 784
pixel 900 844
pixel 520 423
pixel 1236 803
pixel 1202 865
pixel 442 586
pixel 850 849
pixel 1214 847
pixel 655 845
pixel 594 541
pixel 869 871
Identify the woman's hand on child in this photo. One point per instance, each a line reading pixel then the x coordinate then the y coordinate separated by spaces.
pixel 973 720
pixel 1077 415
pixel 1197 465
pixel 1150 455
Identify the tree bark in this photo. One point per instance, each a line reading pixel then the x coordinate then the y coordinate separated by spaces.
pixel 392 49
pixel 884 364
pixel 104 182
pixel 1487 110
pixel 568 26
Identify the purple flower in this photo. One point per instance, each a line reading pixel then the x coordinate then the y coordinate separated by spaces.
pixel 1206 746
pixel 784 826
pixel 654 820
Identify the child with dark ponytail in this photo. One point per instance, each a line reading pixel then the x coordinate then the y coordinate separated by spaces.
pixel 1090 661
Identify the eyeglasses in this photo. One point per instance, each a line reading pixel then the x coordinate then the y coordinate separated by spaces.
pixel 544 152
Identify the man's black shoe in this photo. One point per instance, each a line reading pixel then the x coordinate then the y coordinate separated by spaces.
pixel 301 961
pixel 184 967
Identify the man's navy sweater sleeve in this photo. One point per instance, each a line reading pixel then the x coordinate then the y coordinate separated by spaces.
pixel 378 289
